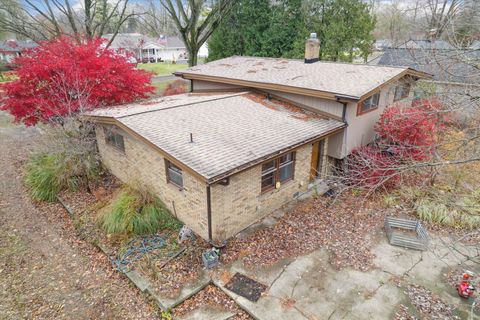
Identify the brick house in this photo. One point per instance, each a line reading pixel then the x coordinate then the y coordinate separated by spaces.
pixel 254 134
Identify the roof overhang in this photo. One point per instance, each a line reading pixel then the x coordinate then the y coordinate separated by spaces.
pixel 113 121
pixel 298 90
pixel 407 72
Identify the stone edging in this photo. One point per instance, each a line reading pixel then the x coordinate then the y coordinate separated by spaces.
pixel 142 284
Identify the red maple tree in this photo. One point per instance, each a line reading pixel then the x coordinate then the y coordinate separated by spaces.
pixel 174 88
pixel 406 134
pixel 371 167
pixel 60 78
pixel 410 131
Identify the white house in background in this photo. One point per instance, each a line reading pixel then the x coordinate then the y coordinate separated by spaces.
pixel 10 49
pixel 203 52
pixel 149 49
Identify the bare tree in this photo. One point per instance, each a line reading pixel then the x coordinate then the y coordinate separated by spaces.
pixel 439 14
pixel 156 21
pixel 196 20
pixel 46 19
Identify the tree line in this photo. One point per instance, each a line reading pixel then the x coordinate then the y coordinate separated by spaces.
pixel 279 29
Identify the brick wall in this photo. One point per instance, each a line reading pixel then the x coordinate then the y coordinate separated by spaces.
pixel 234 207
pixel 241 202
pixel 142 164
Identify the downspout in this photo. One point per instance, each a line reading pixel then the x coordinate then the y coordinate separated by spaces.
pixel 344 111
pixel 209 214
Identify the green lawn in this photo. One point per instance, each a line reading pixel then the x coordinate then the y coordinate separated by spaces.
pixel 160 86
pixel 7 76
pixel 162 68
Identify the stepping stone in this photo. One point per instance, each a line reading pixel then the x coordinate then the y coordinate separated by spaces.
pixel 208 313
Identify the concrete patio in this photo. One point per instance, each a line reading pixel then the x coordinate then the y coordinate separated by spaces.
pixel 317 291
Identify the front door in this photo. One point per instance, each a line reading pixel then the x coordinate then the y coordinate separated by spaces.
pixel 318 153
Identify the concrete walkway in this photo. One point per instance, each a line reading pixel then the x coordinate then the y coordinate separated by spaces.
pixel 309 288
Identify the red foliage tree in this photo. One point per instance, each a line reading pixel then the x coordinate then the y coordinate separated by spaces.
pixel 176 87
pixel 406 134
pixel 410 132
pixel 371 167
pixel 60 78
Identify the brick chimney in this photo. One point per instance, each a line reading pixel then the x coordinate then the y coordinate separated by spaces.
pixel 312 49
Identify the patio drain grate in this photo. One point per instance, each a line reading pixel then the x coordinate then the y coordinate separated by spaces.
pixel 246 287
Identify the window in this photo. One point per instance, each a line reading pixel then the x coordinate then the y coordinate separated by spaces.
pixel 174 174
pixel 277 170
pixel 369 104
pixel 401 91
pixel 114 139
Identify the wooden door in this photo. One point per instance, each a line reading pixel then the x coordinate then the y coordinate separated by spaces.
pixel 318 153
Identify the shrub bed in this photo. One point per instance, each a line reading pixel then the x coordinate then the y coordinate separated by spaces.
pixel 136 212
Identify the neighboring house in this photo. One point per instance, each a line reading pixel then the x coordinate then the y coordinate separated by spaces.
pixel 149 49
pixel 10 49
pixel 382 44
pixel 456 72
pixel 426 45
pixel 254 134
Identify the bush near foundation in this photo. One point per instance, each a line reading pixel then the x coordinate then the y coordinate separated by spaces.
pixel 50 173
pixel 176 87
pixel 407 135
pixel 136 212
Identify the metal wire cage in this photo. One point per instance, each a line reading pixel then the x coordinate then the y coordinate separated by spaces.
pixel 406 233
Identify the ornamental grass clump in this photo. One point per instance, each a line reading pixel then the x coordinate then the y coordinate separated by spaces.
pixel 136 212
pixel 448 208
pixel 42 179
pixel 50 173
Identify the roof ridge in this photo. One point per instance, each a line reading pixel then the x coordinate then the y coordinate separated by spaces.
pixel 184 104
pixel 300 60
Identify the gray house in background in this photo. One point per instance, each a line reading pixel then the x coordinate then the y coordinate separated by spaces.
pixel 456 72
pixel 426 44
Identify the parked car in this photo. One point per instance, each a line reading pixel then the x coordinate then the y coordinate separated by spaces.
pixel 147 60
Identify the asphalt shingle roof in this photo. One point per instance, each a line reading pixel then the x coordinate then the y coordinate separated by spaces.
pixel 137 40
pixel 229 130
pixel 353 80
pixel 426 44
pixel 16 45
pixel 461 66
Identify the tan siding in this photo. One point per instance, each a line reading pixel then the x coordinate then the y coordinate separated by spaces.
pixel 199 85
pixel 141 164
pixel 360 130
pixel 325 106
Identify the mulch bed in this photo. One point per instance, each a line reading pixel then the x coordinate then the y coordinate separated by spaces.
pixel 213 297
pixel 429 304
pixel 403 314
pixel 167 276
pixel 344 228
pixel 168 279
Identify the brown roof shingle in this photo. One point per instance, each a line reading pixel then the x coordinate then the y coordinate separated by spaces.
pixel 230 131
pixel 353 80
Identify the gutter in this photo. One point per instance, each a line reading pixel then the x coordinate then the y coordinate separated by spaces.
pixel 254 162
